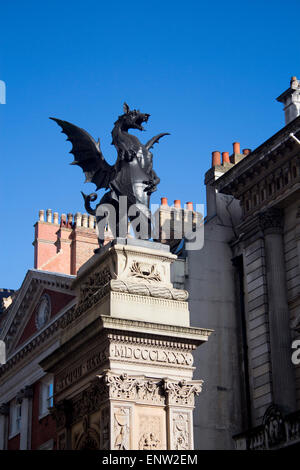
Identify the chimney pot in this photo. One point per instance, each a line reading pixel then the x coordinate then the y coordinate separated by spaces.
pixel 78 217
pixel 293 79
pixel 216 158
pixel 91 221
pixel 236 147
pixel 85 220
pixel 164 201
pixel 177 204
pixel 189 205
pixel 49 215
pixel 42 215
pixel 246 151
pixel 55 218
pixel 63 219
pixel 225 157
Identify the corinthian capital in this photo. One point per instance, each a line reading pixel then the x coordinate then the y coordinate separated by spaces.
pixel 271 220
pixel 182 392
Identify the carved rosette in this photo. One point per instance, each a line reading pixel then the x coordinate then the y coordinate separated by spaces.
pixel 271 221
pixel 182 393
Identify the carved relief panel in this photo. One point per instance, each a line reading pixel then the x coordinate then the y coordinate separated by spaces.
pixel 181 437
pixel 121 427
pixel 149 428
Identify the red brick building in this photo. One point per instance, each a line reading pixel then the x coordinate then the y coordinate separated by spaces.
pixel 29 322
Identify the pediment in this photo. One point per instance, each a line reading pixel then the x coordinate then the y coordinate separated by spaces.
pixel 42 296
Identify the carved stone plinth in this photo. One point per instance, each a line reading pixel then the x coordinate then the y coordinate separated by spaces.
pixel 123 372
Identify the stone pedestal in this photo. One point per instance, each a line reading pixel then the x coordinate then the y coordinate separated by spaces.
pixel 123 372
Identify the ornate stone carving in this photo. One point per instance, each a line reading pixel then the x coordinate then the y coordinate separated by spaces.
pixel 145 271
pixel 134 388
pixel 181 434
pixel 273 423
pixel 150 432
pixel 62 413
pixel 121 386
pixel 88 401
pixel 271 220
pixel 182 392
pixel 148 441
pixel 121 428
pixel 150 391
pixel 138 288
pixel 43 311
pixel 91 292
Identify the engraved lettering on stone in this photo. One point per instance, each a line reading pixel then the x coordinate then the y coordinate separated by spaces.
pixel 151 354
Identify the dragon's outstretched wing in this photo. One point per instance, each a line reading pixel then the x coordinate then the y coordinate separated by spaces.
pixel 87 155
pixel 155 140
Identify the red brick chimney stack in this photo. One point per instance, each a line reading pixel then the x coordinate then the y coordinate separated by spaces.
pixel 64 245
pixel 225 157
pixel 216 158
pixel 236 147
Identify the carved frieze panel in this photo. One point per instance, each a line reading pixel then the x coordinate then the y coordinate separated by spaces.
pixel 181 430
pixel 151 432
pixel 121 416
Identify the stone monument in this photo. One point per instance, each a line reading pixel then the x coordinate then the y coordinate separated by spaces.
pixel 123 371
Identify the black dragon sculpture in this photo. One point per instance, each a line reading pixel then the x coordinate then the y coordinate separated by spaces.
pixel 132 175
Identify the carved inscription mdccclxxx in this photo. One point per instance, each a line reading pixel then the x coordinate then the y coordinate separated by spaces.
pixel 148 354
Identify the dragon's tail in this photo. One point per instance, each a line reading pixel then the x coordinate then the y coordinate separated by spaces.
pixel 88 198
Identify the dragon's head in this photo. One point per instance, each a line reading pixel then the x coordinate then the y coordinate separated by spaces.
pixel 132 119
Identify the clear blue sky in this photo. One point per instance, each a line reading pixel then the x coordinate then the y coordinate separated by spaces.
pixel 207 72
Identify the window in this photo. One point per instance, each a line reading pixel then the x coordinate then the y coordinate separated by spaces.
pixel 46 395
pixel 15 413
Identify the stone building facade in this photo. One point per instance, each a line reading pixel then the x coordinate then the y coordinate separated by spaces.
pixel 245 285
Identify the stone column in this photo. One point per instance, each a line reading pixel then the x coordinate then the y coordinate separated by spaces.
pixel 4 413
pixel 25 398
pixel 180 398
pixel 283 379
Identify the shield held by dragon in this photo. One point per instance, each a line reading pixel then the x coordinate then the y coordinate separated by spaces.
pixel 132 175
